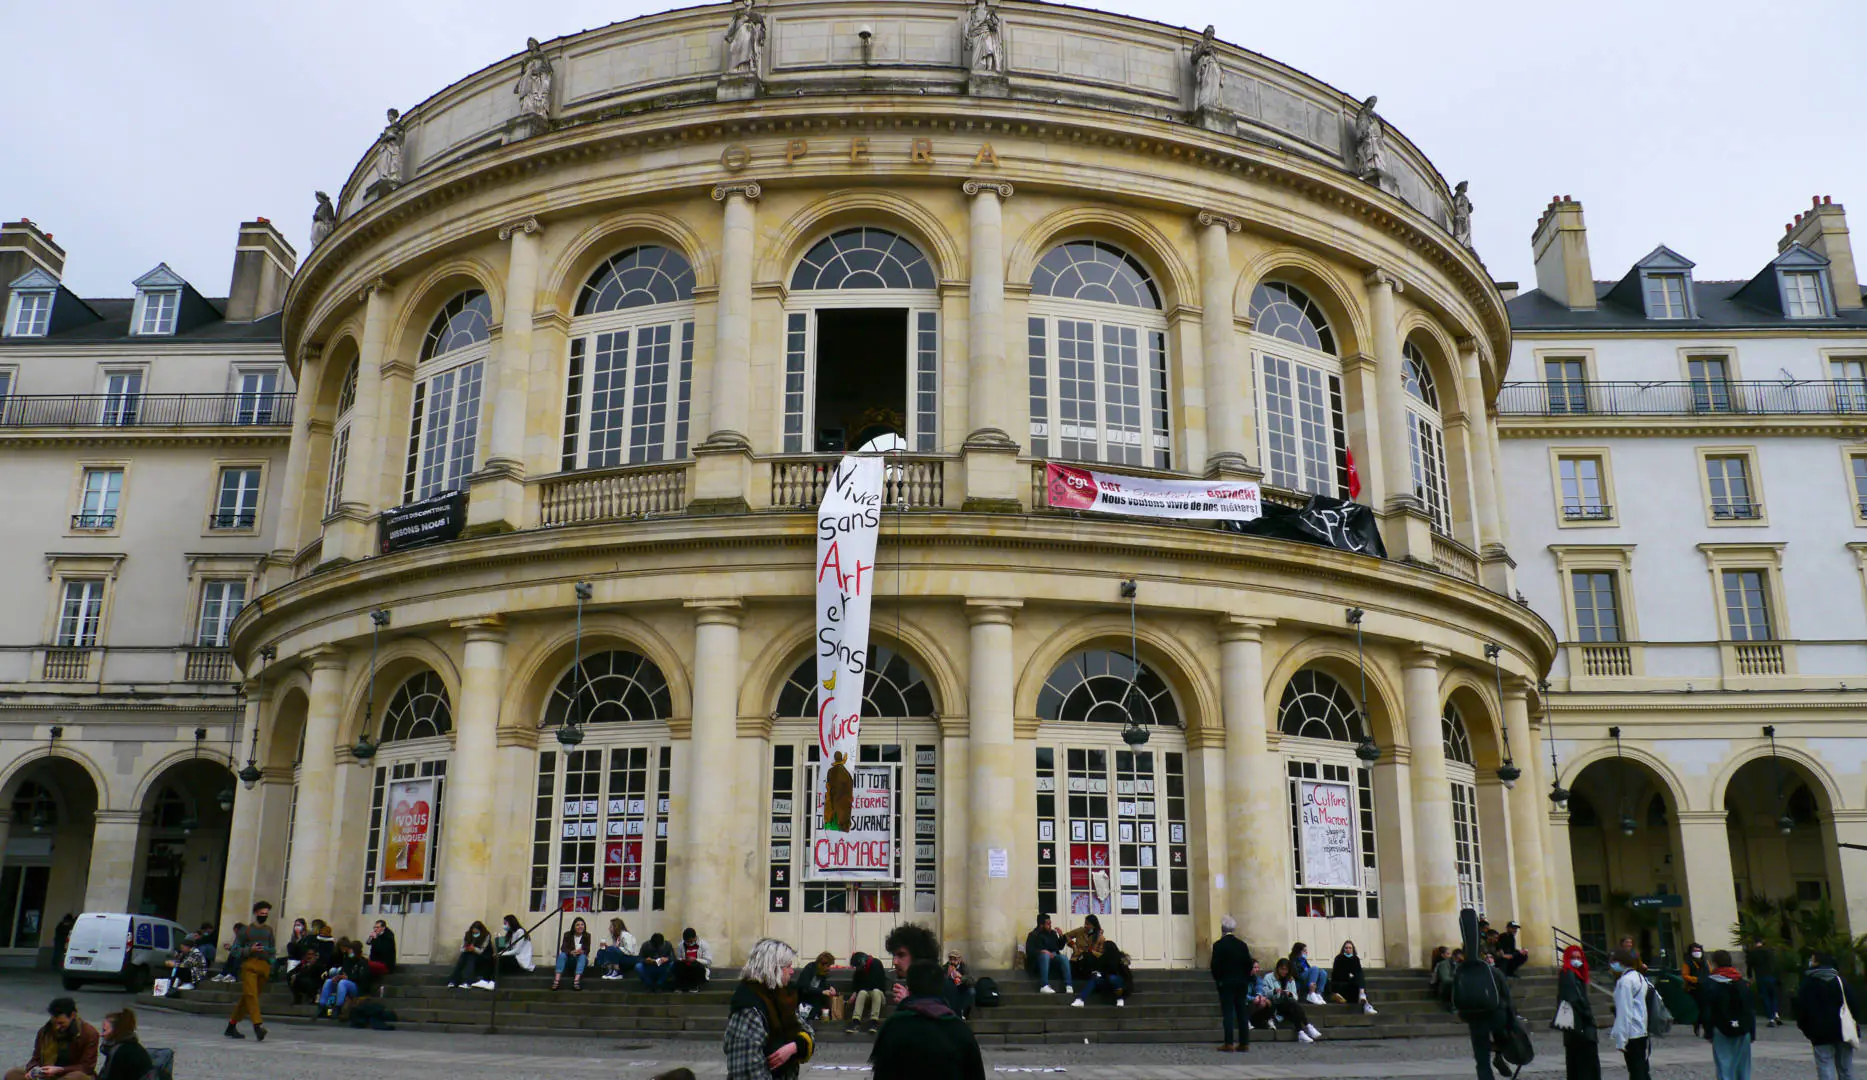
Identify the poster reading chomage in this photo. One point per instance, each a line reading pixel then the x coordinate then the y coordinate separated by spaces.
pixel 864 849
pixel 406 856
pixel 1328 837
pixel 848 522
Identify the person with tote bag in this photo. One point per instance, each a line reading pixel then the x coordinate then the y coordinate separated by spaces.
pixel 1575 1018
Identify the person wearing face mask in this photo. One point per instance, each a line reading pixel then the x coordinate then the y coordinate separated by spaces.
pixel 1314 979
pixel 1581 1056
pixel 256 946
pixel 1693 973
pixel 1630 1015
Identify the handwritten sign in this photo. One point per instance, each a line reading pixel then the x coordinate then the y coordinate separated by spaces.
pixel 1072 488
pixel 1328 838
pixel 847 525
pixel 865 850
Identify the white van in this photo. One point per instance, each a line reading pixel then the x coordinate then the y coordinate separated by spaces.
pixel 113 947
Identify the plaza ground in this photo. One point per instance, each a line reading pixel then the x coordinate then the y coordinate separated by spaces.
pixel 305 1052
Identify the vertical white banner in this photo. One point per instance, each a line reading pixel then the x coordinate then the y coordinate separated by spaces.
pixel 848 523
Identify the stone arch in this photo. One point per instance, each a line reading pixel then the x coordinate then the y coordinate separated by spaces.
pixel 1173 659
pixel 423 296
pixel 1671 786
pixel 1483 722
pixel 291 708
pixel 538 671
pixel 1796 759
pixel 1324 283
pixel 396 663
pixel 155 774
pixel 100 784
pixel 1335 656
pixel 766 674
pixel 1138 237
pixel 840 209
pixel 1442 357
pixel 342 351
pixel 587 250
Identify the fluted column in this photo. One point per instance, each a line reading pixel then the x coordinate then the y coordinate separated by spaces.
pixel 496 501
pixel 311 882
pixel 1227 406
pixel 465 868
pixel 991 451
pixel 114 836
pixel 1526 834
pixel 1435 862
pixel 707 806
pixel 723 462
pixel 1256 851
pixel 350 537
pixel 990 682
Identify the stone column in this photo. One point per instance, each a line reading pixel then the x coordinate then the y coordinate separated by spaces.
pixel 1409 528
pixel 723 463
pixel 1227 405
pixel 497 494
pixel 1435 862
pixel 351 536
pixel 311 884
pixel 293 498
pixel 996 914
pixel 465 871
pixel 1480 423
pixel 1711 901
pixel 991 451
pixel 1257 850
pixel 707 806
pixel 1526 834
pixel 243 839
pixel 111 885
pixel 1850 827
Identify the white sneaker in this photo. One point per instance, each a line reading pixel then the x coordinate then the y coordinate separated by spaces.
pixel 1271 1023
pixel 185 986
pixel 1068 989
pixel 483 984
pixel 1314 998
pixel 1305 1037
pixel 1076 1004
pixel 1367 1008
pixel 1310 1030
pixel 1121 1003
pixel 1046 989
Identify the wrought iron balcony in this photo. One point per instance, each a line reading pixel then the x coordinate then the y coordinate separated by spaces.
pixel 1587 512
pixel 100 520
pixel 1736 511
pixel 1810 397
pixel 145 410
pixel 234 519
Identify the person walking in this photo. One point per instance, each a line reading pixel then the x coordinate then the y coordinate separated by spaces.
pixel 255 946
pixel 1760 965
pixel 764 1037
pixel 122 1054
pixel 1043 950
pixel 1231 975
pixel 65 1045
pixel 1630 1014
pixel 1580 1051
pixel 868 985
pixel 1481 997
pixel 1728 1013
pixel 1826 1008
pixel 925 1039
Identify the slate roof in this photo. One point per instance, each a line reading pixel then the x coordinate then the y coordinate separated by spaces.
pixel 112 326
pixel 1719 308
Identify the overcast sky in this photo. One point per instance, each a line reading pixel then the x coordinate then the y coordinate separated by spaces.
pixel 139 133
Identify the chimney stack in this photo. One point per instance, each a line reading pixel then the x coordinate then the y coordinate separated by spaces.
pixel 262 270
pixel 1823 229
pixel 1560 245
pixel 23 247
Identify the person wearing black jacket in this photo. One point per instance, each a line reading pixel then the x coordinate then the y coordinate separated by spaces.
pixel 655 965
pixel 812 984
pixel 382 947
pixel 1728 1013
pixel 475 964
pixel 1581 1055
pixel 1231 973
pixel 1043 950
pixel 1760 964
pixel 120 1054
pixel 925 1039
pixel 868 987
pixel 1346 981
pixel 1818 1014
pixel 573 952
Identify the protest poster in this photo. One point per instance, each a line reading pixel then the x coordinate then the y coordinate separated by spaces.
pixel 864 850
pixel 848 523
pixel 1327 836
pixel 1073 488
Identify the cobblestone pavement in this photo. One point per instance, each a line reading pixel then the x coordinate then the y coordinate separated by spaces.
pixel 308 1052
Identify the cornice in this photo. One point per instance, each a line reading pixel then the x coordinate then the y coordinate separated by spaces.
pixel 215 437
pixel 1720 425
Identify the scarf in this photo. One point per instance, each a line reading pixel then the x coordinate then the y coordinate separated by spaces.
pixel 780 1010
pixel 1572 953
pixel 1730 973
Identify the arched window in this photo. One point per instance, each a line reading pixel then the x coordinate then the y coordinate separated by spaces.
pixel 1097 347
pixel 1316 706
pixel 340 440
pixel 1303 424
pixel 842 386
pixel 893 688
pixel 443 434
pixel 34 807
pixel 1467 849
pixel 631 361
pixel 611 688
pixel 1456 741
pixel 1426 439
pixel 1101 686
pixel 417 710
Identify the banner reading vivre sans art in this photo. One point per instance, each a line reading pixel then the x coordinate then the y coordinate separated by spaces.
pixel 848 523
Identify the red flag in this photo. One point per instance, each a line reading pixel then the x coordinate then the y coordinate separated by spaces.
pixel 1354 475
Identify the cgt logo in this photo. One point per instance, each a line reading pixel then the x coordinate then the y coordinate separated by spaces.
pixel 1071 488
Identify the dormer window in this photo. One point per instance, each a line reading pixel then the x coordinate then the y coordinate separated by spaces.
pixel 1666 296
pixel 1659 286
pixel 32 313
pixel 155 311
pixel 1803 294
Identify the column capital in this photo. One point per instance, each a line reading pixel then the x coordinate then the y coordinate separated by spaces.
pixel 1516 689
pixel 1467 346
pixel 1424 656
pixel 528 226
pixel 482 628
pixel 310 352
pixel 1378 277
pixel 1243 627
pixel 998 611
pixel 326 658
pixel 1701 818
pixel 745 189
pixel 375 285
pixel 977 186
pixel 119 817
pixel 1210 218
pixel 717 611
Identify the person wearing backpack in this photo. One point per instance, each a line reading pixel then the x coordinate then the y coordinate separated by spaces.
pixel 1826 1008
pixel 1630 1014
pixel 1728 1014
pixel 1481 997
pixel 1581 1056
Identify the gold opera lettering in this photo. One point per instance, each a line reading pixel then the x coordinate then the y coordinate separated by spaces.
pixel 920 151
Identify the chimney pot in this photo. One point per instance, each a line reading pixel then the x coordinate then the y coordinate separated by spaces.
pixel 1828 200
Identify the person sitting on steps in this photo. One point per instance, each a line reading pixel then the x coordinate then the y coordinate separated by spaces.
pixel 1111 971
pixel 1085 943
pixel 1351 986
pixel 655 966
pixel 616 952
pixel 1314 980
pixel 513 947
pixel 474 966
pixel 812 984
pixel 573 953
pixel 1279 996
pixel 693 963
pixel 867 987
pixel 1043 950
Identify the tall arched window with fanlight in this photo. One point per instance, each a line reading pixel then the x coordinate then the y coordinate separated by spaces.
pixel 1426 437
pixel 1332 815
pixel 409 787
pixel 340 440
pixel 631 361
pixel 1096 341
pixel 1461 772
pixel 1300 411
pixel 444 425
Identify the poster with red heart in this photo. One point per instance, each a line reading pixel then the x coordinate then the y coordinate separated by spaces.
pixel 406 857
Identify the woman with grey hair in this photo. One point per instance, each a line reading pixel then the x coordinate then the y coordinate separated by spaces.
pixel 764 1038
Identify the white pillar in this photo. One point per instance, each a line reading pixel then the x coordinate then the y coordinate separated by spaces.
pixel 311 882
pixel 1391 397
pixel 1435 861
pixel 293 498
pixel 707 807
pixel 351 537
pixel 1526 834
pixel 1257 850
pixel 723 462
pixel 467 850
pixel 995 916
pixel 112 882
pixel 1226 404
pixel 241 881
pixel 1478 423
pixel 506 448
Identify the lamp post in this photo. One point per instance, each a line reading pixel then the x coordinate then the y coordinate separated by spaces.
pixel 364 750
pixel 1508 773
pixel 1628 824
pixel 250 775
pixel 1558 794
pixel 1365 750
pixel 1134 733
pixel 1784 823
pixel 570 733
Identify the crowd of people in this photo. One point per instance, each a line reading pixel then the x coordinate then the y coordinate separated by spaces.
pixel 69 1048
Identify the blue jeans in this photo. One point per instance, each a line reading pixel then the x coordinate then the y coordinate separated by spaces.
pixel 1730 1056
pixel 1768 989
pixel 336 992
pixel 1834 1061
pixel 1044 961
pixel 567 960
pixel 1113 982
pixel 656 976
pixel 1317 979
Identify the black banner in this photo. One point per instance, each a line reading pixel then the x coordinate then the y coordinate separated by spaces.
pixel 1336 523
pixel 429 521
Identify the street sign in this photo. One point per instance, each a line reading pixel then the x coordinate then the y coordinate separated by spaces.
pixel 1658 900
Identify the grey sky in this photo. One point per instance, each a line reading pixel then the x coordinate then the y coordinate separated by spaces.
pixel 139 133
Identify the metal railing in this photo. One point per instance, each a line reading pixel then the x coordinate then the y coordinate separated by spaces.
pixel 107 520
pixel 1588 512
pixel 234 519
pixel 1599 976
pixel 1810 397
pixel 1736 511
pixel 909 481
pixel 145 410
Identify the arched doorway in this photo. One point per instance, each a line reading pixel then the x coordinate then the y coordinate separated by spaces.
pixel 1782 837
pixel 1624 843
pixel 408 785
pixel 1112 825
pixel 182 851
pixel 1462 774
pixel 1336 861
pixel 899 747
pixel 47 855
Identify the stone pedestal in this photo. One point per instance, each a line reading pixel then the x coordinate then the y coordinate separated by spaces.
pixel 988 84
pixel 349 535
pixel 495 499
pixel 993 475
pixel 1223 121
pixel 1408 531
pixel 738 86
pixel 722 475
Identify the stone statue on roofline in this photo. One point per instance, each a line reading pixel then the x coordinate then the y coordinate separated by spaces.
pixel 1461 216
pixel 323 220
pixel 534 86
pixel 1208 74
pixel 1370 142
pixel 984 39
pixel 745 40
pixel 389 154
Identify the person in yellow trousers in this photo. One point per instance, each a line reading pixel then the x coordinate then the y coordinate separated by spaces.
pixel 255 946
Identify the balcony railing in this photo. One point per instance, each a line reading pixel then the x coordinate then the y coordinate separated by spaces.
pixel 1454 558
pixel 1812 397
pixel 145 410
pixel 1588 512
pixel 233 519
pixel 1759 658
pixel 1736 511
pixel 909 481
pixel 1607 661
pixel 104 520
pixel 631 491
pixel 208 664
pixel 67 665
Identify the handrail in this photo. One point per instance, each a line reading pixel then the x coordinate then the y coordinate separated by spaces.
pixel 145 410
pixel 1597 959
pixel 1705 397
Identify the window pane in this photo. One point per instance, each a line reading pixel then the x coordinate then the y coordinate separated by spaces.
pixel 220 602
pixel 1121 388
pixel 1036 342
pixel 80 612
pixel 1747 605
pixel 1077 431
pixel 648 413
pixel 1597 611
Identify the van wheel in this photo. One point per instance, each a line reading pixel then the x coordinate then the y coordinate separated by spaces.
pixel 73 984
pixel 136 978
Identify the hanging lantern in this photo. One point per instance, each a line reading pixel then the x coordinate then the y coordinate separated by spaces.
pixel 364 749
pixel 1366 750
pixel 1628 824
pixel 250 776
pixel 1785 824
pixel 225 800
pixel 1559 795
pixel 41 821
pixel 1134 732
pixel 189 824
pixel 570 732
pixel 1508 773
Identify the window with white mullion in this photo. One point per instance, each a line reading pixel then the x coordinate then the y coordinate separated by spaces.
pixel 1427 447
pixel 1105 384
pixel 1302 425
pixel 627 400
pixel 237 506
pixel 1802 295
pixel 920 353
pixel 158 312
pixel 926 382
pixel 32 315
pixel 220 602
pixel 444 421
pixel 796 378
pixel 97 504
pixel 80 613
pixel 648 410
pixel 340 458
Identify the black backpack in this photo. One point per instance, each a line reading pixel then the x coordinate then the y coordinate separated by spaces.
pixel 985 991
pixel 1474 989
pixel 161 1064
pixel 1723 1008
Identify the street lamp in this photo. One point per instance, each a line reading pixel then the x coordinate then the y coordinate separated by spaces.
pixel 1508 773
pixel 570 733
pixel 1365 750
pixel 250 775
pixel 1133 732
pixel 1628 824
pixel 364 749
pixel 1784 823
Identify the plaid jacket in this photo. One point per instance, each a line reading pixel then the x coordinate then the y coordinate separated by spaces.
pixel 745 1046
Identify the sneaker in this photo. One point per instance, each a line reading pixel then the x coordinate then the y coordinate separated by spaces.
pixel 1305 1037
pixel 1121 1003
pixel 874 1027
pixel 1046 989
pixel 1068 989
pixel 1367 1008
pixel 1310 1030
pixel 483 984
pixel 185 986
pixel 1077 1003
pixel 1314 998
pixel 850 1030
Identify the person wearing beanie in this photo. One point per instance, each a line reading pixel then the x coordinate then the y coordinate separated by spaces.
pixel 123 1056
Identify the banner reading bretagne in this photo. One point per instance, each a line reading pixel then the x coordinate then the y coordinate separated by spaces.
pixel 1072 488
pixel 847 526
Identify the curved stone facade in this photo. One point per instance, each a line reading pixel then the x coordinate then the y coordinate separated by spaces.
pixel 633 334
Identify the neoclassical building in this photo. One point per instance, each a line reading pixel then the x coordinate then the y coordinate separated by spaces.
pixel 617 325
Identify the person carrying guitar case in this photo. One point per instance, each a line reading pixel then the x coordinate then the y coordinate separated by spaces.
pixel 1481 997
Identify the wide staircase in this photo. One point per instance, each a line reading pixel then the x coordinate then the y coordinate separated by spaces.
pixel 1167 1007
